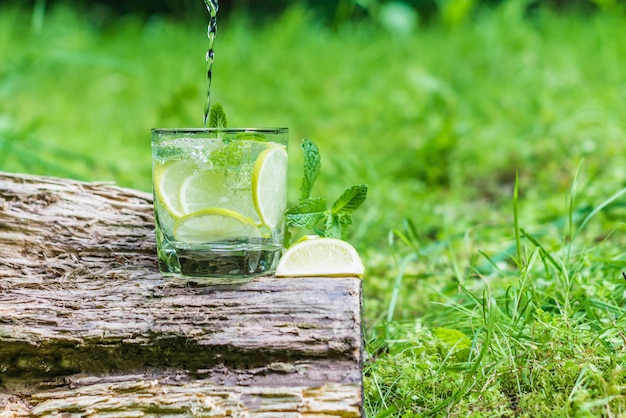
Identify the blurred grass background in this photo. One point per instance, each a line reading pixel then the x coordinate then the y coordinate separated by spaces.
pixel 437 106
pixel 420 110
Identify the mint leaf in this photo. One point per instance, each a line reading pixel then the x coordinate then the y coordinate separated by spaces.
pixel 217 117
pixel 332 229
pixel 307 214
pixel 350 200
pixel 305 220
pixel 228 155
pixel 344 222
pixel 312 204
pixel 336 226
pixel 312 166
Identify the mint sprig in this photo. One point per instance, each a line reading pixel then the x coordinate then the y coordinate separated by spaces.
pixel 217 117
pixel 312 167
pixel 312 213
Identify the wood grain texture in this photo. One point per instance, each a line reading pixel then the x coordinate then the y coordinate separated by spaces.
pixel 84 308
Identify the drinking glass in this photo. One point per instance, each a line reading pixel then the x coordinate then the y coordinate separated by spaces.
pixel 219 201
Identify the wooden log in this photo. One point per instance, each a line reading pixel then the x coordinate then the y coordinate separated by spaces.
pixel 89 327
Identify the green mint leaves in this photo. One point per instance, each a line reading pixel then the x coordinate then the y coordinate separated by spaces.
pixel 217 117
pixel 311 213
pixel 229 154
pixel 312 166
pixel 350 200
pixel 307 214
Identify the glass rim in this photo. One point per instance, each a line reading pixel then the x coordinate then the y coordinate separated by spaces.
pixel 234 130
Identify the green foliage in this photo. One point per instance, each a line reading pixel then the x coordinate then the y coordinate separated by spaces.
pixel 217 117
pixel 536 331
pixel 494 230
pixel 310 212
pixel 312 167
pixel 453 343
pixel 229 155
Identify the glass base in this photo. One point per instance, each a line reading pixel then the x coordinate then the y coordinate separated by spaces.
pixel 226 263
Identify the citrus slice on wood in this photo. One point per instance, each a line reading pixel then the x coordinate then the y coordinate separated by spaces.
pixel 320 257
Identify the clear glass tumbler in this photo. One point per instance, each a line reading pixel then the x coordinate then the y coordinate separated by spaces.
pixel 219 201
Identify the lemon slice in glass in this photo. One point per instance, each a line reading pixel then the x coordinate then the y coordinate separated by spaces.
pixel 210 189
pixel 168 178
pixel 214 224
pixel 269 189
pixel 320 257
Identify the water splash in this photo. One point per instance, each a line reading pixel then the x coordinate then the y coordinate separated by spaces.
pixel 212 6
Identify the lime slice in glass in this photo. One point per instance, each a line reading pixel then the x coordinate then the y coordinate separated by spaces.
pixel 214 224
pixel 210 189
pixel 203 190
pixel 168 178
pixel 320 257
pixel 269 189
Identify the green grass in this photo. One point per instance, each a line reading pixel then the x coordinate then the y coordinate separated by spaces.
pixel 494 230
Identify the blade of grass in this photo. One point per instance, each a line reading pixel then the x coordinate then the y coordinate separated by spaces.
pixel 571 198
pixel 598 209
pixel 518 239
pixel 397 284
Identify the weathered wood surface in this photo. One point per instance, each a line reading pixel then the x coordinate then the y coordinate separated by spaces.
pixel 88 326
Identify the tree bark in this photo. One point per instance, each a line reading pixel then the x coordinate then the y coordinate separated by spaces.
pixel 89 327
